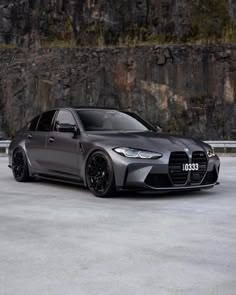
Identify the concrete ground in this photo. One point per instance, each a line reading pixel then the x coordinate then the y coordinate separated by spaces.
pixel 58 239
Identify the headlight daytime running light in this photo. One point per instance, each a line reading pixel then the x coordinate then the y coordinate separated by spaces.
pixel 211 152
pixel 136 153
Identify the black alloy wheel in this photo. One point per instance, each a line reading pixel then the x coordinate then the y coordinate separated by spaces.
pixel 19 166
pixel 99 175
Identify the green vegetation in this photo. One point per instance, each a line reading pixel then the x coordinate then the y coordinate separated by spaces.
pixel 211 22
pixel 61 34
pixel 8 46
pixel 173 126
pixel 68 28
pixel 230 33
pixel 58 43
pixel 208 22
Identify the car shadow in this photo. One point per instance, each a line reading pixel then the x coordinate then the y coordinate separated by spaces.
pixel 134 196
pixel 165 196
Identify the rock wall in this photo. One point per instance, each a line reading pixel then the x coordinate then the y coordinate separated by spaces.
pixel 39 23
pixel 186 89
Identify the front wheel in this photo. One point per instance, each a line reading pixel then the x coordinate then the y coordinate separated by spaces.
pixel 20 166
pixel 99 175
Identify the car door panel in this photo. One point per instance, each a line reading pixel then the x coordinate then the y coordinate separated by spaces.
pixel 62 153
pixel 35 144
pixel 63 148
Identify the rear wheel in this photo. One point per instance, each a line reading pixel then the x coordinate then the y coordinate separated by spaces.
pixel 20 166
pixel 99 175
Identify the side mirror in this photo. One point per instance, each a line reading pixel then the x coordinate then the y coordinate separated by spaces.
pixel 67 128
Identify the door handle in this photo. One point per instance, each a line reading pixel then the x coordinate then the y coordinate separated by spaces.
pixel 30 136
pixel 51 139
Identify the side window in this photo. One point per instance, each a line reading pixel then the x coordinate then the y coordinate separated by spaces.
pixel 64 117
pixel 33 124
pixel 45 121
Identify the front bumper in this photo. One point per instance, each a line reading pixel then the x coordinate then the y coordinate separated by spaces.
pixel 154 175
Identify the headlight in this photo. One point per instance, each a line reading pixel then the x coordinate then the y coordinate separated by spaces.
pixel 136 153
pixel 211 152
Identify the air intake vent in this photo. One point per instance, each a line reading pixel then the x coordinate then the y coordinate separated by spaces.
pixel 177 175
pixel 210 178
pixel 200 158
pixel 158 180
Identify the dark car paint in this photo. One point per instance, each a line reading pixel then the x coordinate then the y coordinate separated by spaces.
pixel 66 155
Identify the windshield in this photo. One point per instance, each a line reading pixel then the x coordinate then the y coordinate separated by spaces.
pixel 109 120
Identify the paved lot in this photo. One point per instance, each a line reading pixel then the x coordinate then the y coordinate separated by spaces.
pixel 58 239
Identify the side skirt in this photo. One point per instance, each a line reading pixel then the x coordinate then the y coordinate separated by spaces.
pixel 76 181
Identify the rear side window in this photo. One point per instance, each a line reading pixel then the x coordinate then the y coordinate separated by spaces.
pixel 45 121
pixel 33 124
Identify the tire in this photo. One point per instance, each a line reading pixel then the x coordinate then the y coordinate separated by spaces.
pixel 20 166
pixel 100 175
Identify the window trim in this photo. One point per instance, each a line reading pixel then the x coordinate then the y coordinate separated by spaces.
pixel 36 129
pixel 36 126
pixel 51 121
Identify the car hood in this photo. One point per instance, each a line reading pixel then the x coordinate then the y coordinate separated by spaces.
pixel 157 142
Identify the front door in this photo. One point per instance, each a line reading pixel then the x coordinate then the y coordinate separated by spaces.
pixel 63 149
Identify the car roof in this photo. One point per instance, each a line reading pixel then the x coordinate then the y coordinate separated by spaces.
pixel 93 108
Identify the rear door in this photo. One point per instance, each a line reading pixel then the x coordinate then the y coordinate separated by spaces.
pixel 36 140
pixel 63 148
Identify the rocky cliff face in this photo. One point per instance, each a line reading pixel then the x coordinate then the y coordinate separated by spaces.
pixel 106 22
pixel 187 89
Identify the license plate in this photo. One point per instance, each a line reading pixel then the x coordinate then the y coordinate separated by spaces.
pixel 190 167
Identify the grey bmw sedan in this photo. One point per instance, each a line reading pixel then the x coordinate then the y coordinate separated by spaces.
pixel 108 150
